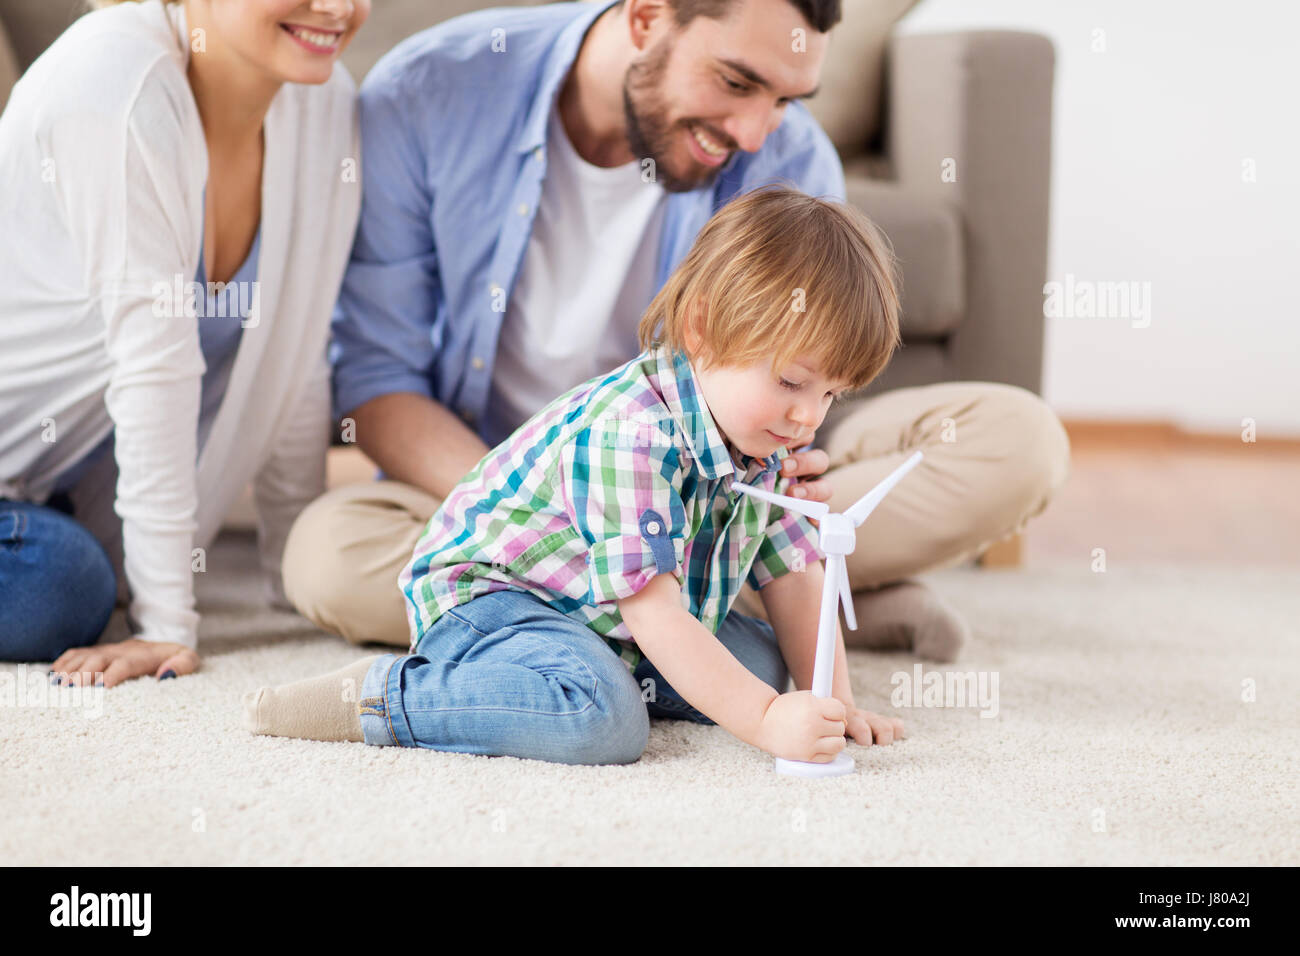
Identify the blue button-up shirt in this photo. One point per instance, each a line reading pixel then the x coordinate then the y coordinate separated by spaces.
pixel 453 129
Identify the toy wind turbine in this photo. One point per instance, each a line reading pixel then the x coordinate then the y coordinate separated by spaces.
pixel 836 534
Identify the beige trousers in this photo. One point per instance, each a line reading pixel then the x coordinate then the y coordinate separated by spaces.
pixel 994 457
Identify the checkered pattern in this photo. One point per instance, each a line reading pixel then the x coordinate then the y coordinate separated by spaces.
pixel 619 479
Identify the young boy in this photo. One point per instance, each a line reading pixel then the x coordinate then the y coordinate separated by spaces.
pixel 576 582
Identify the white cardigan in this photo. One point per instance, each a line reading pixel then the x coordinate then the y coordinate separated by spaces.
pixel 103 164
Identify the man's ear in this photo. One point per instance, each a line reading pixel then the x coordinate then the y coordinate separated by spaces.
pixel 644 16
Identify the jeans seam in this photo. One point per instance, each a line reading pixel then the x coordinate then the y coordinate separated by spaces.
pixel 388 707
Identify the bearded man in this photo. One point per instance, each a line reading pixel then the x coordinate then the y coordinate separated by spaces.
pixel 531 177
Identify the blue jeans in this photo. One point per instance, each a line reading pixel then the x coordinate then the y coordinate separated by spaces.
pixel 57 586
pixel 508 675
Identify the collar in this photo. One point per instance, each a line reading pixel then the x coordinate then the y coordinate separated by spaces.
pixel 681 393
pixel 175 12
pixel 558 63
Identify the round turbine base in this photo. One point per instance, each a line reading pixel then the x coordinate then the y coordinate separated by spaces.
pixel 841 765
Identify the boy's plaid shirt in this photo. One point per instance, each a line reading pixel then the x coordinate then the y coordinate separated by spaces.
pixel 619 479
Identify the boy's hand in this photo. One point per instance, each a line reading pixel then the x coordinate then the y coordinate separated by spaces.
pixel 863 725
pixel 799 726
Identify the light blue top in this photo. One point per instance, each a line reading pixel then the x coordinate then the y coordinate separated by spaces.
pixel 454 139
pixel 220 319
pixel 220 328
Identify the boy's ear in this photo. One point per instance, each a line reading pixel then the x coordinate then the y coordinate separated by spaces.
pixel 692 330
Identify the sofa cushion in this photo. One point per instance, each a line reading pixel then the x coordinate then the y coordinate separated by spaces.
pixel 926 233
pixel 848 105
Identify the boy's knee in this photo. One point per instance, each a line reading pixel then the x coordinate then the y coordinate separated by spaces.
pixel 616 727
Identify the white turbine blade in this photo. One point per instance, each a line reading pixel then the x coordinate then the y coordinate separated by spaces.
pixel 867 504
pixel 810 509
pixel 846 595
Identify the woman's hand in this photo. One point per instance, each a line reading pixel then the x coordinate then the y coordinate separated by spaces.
pixel 111 664
pixel 814 461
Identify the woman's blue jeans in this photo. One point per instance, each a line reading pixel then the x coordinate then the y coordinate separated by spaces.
pixel 57 586
pixel 506 674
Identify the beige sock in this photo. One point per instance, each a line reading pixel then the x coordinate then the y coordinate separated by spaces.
pixel 907 616
pixel 317 708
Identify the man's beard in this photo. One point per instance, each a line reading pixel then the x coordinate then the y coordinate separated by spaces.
pixel 648 135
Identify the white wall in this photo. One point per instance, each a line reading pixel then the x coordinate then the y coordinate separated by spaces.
pixel 1147 185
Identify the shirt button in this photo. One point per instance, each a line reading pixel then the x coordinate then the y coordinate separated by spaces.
pixel 477 363
pixel 523 209
pixel 652 527
pixel 538 153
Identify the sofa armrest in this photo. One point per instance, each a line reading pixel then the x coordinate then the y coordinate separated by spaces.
pixel 927 238
pixel 983 100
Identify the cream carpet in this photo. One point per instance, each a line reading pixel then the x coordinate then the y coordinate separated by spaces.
pixel 1124 734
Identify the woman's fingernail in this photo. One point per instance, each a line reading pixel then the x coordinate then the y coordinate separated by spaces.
pixel 800 493
pixel 166 674
pixel 789 464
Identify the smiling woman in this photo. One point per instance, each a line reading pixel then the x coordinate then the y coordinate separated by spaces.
pixel 317 41
pixel 164 145
pixel 272 34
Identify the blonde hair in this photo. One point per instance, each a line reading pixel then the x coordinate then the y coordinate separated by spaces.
pixel 777 274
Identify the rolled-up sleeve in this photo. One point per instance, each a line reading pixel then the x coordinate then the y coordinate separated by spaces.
pixel 623 491
pixel 391 293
